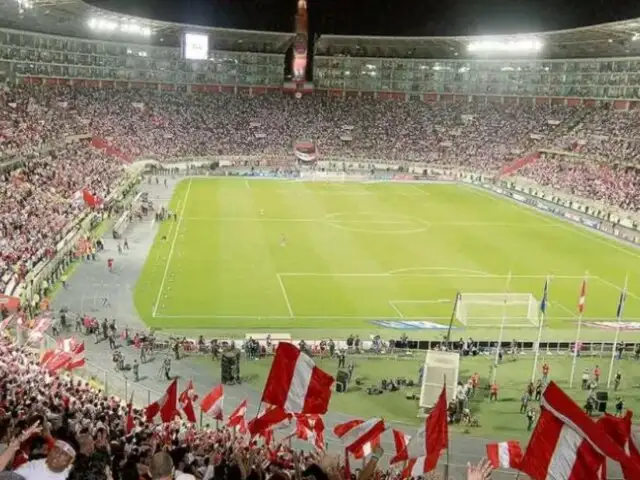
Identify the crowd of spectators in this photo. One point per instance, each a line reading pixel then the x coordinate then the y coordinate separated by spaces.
pixel 57 427
pixel 48 129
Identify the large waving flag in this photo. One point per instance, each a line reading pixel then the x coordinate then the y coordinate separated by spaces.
pixel 186 402
pixel 167 406
pixel 504 454
pixel 360 436
pixel 295 384
pixel 237 417
pixel 212 403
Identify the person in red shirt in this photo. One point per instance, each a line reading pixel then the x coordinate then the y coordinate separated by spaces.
pixel 494 392
pixel 596 373
pixel 545 373
pixel 110 264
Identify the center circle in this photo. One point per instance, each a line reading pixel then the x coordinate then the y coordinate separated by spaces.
pixel 375 222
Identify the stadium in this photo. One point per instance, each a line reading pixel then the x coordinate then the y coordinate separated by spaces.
pixel 177 201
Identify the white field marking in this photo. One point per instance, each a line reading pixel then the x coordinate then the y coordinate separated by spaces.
pixel 398 311
pixel 562 307
pixel 173 245
pixel 592 235
pixel 246 184
pixel 427 275
pixel 298 220
pixel 284 294
pixel 617 287
pixel 495 324
pixel 405 231
pixel 451 269
pixel 439 300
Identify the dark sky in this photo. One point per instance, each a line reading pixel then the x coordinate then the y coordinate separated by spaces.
pixel 387 17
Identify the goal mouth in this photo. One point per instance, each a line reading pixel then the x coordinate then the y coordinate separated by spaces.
pixel 492 309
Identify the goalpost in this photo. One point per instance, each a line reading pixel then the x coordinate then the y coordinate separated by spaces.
pixel 487 309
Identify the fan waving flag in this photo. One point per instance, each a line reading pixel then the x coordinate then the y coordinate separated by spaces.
pixel 401 442
pixel 417 467
pixel 167 406
pixel 504 454
pixel 545 298
pixel 212 403
pixel 583 297
pixel 356 434
pixel 236 419
pixel 295 384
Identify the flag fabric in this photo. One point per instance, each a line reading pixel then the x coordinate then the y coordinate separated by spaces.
pixel 90 199
pixel 186 402
pixel 237 417
pixel 129 422
pixel 77 359
pixel 274 417
pixel 568 445
pixel 545 298
pixel 295 384
pixel 57 361
pixel 619 430
pixel 583 297
pixel 311 428
pixel 212 403
pixel 355 434
pixel 621 302
pixel 416 467
pixel 401 443
pixel 167 406
pixel 504 454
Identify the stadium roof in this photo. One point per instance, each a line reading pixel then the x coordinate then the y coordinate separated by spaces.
pixel 616 39
pixel 70 18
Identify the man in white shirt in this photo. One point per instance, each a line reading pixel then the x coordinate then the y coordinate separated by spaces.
pixel 56 466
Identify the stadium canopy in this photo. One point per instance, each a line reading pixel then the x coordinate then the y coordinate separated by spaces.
pixel 70 18
pixel 616 39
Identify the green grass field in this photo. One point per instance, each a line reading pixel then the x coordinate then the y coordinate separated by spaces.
pixel 356 253
pixel 498 420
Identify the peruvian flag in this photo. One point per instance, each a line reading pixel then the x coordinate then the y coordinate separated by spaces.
pixel 401 442
pixel 186 402
pixel 504 454
pixel 212 403
pixel 311 429
pixel 583 297
pixel 417 467
pixel 274 417
pixel 129 422
pixel 57 361
pixel 359 436
pixel 90 199
pixel 167 406
pixel 236 419
pixel 295 384
pixel 77 356
pixel 568 445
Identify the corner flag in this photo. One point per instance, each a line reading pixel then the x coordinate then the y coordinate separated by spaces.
pixel 545 297
pixel 583 296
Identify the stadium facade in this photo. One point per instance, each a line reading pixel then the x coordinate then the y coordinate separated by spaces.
pixel 54 42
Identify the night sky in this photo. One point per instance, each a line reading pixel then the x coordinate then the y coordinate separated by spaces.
pixel 386 17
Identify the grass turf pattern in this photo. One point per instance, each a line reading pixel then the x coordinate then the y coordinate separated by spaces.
pixel 325 259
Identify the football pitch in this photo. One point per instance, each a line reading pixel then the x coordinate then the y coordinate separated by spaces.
pixel 327 259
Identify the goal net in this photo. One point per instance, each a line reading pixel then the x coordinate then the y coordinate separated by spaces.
pixel 488 309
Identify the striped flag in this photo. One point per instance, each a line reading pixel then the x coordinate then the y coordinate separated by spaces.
pixel 623 298
pixel 545 297
pixel 583 297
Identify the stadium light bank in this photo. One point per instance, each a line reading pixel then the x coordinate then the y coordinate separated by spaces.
pixel 520 46
pixel 106 25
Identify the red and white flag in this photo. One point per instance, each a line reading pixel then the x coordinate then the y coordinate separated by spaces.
pixel 568 445
pixel 504 454
pixel 212 403
pixel 417 467
pixel 77 359
pixel 295 384
pixel 237 417
pixel 129 421
pixel 57 361
pixel 311 429
pixel 401 442
pixel 186 399
pixel 273 418
pixel 356 434
pixel 167 406
pixel 583 296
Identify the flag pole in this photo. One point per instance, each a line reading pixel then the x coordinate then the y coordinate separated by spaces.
pixel 453 315
pixel 446 465
pixel 504 315
pixel 619 315
pixel 543 311
pixel 581 301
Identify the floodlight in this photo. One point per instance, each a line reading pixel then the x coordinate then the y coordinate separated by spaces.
pixel 522 45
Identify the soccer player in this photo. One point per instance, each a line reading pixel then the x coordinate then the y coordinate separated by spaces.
pixel 283 240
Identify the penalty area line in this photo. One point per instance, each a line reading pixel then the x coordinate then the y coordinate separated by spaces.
pixel 284 294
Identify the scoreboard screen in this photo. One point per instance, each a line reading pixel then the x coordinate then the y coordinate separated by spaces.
pixel 196 46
